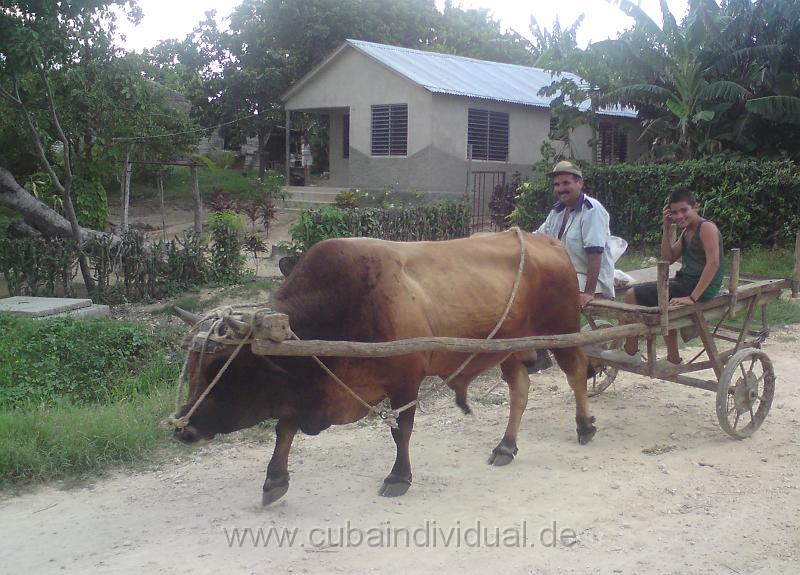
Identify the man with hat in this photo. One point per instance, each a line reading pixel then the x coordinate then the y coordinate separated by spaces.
pixel 581 223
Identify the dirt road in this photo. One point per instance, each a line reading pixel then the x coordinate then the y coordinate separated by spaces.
pixel 660 490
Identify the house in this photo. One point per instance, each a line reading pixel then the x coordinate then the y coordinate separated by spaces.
pixel 409 119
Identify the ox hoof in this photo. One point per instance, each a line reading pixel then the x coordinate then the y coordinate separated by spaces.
pixel 273 490
pixel 502 455
pixel 394 486
pixel 586 435
pixel 585 429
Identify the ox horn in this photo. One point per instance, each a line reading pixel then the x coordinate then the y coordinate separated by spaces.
pixel 236 325
pixel 186 316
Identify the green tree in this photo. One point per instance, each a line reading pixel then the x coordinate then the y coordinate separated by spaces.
pixel 73 96
pixel 726 78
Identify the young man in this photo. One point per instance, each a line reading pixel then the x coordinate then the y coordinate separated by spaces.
pixel 700 247
pixel 581 223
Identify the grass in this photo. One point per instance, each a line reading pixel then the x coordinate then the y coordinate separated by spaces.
pixel 68 441
pixel 80 396
pixel 178 184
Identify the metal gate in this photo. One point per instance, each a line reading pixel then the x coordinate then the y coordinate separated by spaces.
pixel 483 185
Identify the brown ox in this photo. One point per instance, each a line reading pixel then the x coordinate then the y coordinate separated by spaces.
pixel 372 291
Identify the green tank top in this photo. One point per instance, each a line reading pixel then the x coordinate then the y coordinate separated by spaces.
pixel 694 260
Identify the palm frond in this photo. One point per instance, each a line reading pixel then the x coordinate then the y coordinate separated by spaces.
pixel 643 20
pixel 776 108
pixel 723 90
pixel 740 58
pixel 639 93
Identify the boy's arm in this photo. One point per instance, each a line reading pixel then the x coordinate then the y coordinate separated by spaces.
pixel 669 251
pixel 709 237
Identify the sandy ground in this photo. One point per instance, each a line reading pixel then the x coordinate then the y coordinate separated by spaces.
pixel 660 490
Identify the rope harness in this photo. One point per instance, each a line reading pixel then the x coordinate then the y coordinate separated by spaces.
pixel 220 333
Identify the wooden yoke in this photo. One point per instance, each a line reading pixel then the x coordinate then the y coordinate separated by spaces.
pixel 662 286
pixel 733 281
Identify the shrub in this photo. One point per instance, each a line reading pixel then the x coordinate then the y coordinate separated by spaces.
pixel 438 221
pixel 753 202
pixel 90 202
pixel 346 199
pixel 51 361
pixel 226 229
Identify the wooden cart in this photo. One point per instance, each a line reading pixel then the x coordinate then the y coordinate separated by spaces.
pixel 744 378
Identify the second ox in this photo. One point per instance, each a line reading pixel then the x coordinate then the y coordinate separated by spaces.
pixel 369 290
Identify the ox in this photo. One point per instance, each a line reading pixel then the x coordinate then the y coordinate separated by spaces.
pixel 368 290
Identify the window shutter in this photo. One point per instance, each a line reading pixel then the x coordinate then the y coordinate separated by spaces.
pixel 487 133
pixel 390 130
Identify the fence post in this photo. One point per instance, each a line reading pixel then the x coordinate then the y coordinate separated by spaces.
pixel 796 275
pixel 662 286
pixel 733 282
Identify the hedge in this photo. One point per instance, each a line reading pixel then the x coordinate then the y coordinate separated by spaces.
pixel 438 221
pixel 752 202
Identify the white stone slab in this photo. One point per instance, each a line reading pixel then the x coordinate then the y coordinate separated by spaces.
pixel 41 306
pixel 94 310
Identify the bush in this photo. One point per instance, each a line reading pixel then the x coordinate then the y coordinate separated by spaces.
pixel 49 362
pixel 129 269
pixel 90 202
pixel 226 229
pixel 38 267
pixel 438 221
pixel 753 202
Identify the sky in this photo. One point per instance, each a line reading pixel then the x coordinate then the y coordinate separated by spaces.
pixel 165 19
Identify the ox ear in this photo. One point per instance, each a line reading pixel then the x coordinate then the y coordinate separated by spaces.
pixel 273 367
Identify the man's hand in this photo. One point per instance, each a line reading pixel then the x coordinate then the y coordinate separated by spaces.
pixel 681 301
pixel 585 298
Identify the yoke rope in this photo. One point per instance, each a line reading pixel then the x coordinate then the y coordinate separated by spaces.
pixel 217 317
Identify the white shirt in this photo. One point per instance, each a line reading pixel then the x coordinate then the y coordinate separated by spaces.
pixel 587 228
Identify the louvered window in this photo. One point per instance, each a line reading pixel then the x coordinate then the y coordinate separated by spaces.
pixel 390 130
pixel 613 145
pixel 487 133
pixel 346 136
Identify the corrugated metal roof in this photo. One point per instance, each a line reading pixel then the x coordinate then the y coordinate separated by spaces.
pixel 460 76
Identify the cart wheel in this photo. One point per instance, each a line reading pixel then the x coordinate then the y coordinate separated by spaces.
pixel 745 392
pixel 605 377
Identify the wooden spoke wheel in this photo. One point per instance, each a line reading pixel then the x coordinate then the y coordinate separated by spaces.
pixel 745 392
pixel 606 375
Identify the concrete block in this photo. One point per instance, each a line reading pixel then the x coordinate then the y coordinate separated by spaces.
pixel 41 306
pixel 94 310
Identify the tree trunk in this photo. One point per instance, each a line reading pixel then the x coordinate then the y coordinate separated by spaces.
pixel 198 204
pixel 37 214
pixel 262 168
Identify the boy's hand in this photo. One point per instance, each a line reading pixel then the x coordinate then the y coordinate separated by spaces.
pixel 667 216
pixel 681 301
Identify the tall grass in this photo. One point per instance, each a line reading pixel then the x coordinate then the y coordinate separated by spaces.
pixel 67 440
pixel 79 396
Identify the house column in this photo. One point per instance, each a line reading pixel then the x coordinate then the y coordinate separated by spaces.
pixel 288 147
